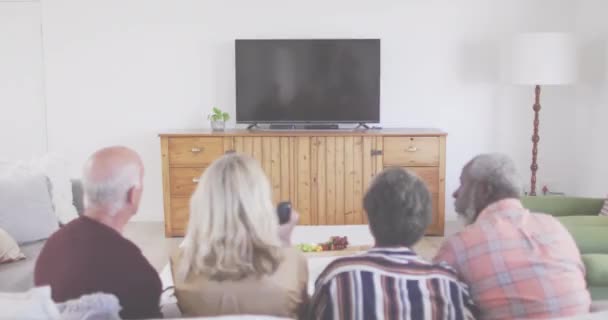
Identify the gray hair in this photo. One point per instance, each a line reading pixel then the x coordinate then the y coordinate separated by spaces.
pixel 498 173
pixel 398 207
pixel 111 192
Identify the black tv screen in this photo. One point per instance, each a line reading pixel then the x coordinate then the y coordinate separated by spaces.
pixel 325 80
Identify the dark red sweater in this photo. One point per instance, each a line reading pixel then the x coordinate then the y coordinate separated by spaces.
pixel 86 257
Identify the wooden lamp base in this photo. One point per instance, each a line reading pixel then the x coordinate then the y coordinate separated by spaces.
pixel 535 140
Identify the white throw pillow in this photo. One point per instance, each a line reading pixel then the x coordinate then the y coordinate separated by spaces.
pixel 26 209
pixel 9 250
pixel 604 211
pixel 32 305
pixel 57 169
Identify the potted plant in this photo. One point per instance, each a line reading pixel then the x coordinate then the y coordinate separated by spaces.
pixel 218 119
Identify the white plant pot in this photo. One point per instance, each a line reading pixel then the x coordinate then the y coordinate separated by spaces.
pixel 218 125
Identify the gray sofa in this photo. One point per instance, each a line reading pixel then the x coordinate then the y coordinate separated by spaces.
pixel 19 276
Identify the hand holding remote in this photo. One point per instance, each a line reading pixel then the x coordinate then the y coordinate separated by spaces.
pixel 285 229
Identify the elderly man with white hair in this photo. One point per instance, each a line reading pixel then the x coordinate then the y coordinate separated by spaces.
pixel 89 254
pixel 518 264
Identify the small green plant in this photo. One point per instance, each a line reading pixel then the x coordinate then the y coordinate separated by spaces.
pixel 218 115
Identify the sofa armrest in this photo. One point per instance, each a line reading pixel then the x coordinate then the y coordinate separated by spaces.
pixel 78 196
pixel 563 206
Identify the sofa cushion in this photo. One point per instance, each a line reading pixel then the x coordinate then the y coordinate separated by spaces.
pixel 563 206
pixel 598 292
pixel 589 239
pixel 590 221
pixel 597 269
pixel 18 276
pixel 589 232
pixel 9 250
pixel 26 207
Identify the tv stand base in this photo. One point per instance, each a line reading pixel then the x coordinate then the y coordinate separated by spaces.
pixel 253 126
pixel 362 126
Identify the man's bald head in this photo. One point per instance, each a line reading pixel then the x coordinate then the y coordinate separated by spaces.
pixel 112 180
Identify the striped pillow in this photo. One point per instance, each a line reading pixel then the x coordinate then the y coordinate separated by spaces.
pixel 604 211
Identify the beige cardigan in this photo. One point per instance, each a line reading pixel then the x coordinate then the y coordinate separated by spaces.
pixel 282 294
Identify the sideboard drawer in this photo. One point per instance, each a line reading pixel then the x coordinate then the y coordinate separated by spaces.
pixel 195 151
pixel 180 212
pixel 411 151
pixel 184 180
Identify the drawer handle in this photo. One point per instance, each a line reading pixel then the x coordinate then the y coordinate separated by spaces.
pixel 195 180
pixel 197 150
pixel 412 149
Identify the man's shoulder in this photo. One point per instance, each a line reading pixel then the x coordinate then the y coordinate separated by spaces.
pixel 82 235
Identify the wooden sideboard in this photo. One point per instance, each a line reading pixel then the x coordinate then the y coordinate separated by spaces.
pixel 323 173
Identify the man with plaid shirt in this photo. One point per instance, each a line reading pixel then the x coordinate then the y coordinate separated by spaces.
pixel 518 265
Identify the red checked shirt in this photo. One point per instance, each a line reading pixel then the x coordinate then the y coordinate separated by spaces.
pixel 518 264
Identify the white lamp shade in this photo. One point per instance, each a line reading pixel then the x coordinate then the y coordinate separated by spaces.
pixel 543 59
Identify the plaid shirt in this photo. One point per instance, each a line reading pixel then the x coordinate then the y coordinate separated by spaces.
pixel 518 264
pixel 389 283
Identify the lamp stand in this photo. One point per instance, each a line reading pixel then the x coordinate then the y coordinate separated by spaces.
pixel 535 139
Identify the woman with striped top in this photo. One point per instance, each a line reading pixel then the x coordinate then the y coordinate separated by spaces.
pixel 390 281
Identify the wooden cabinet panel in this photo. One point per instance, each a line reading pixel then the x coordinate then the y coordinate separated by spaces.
pixel 430 176
pixel 257 149
pixel 180 211
pixel 324 175
pixel 302 179
pixel 340 176
pixel 317 152
pixel 184 180
pixel 285 169
pixel 411 151
pixel 436 226
pixel 329 167
pixel 358 180
pixel 342 168
pixel 368 170
pixel 228 144
pixel 195 151
pixel 349 214
pixel 275 169
pixel 273 155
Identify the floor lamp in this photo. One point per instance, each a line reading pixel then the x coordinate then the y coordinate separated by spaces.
pixel 542 59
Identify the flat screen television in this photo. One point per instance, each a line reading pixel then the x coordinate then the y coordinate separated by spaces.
pixel 308 81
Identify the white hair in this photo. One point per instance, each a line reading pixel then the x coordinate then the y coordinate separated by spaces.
pixel 497 175
pixel 498 172
pixel 111 192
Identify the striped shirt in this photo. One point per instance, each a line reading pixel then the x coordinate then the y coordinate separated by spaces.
pixel 389 283
pixel 519 265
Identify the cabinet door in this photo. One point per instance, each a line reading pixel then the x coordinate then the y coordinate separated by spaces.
pixel 273 154
pixel 424 156
pixel 342 167
pixel 430 177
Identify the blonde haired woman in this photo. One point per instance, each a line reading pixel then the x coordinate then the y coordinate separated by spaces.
pixel 235 257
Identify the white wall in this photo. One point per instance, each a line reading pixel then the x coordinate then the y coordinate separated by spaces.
pixel 120 72
pixel 22 116
pixel 591 104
